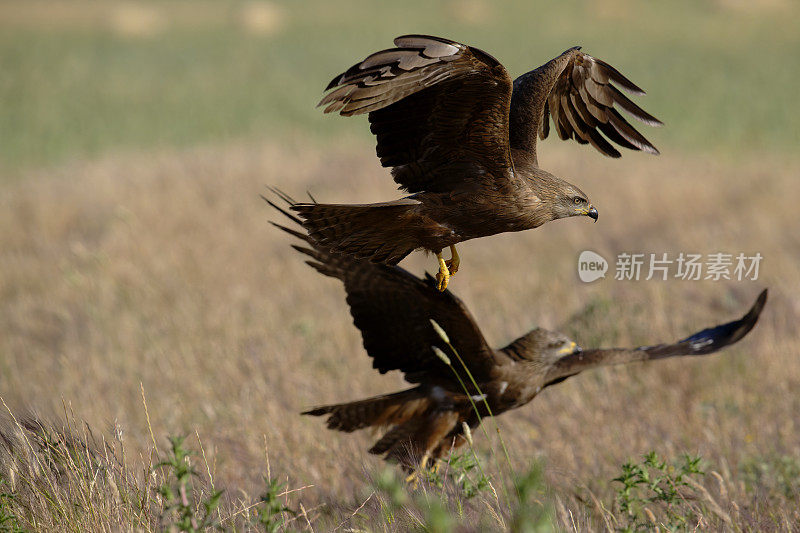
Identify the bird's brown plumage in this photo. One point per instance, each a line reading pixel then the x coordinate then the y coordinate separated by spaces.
pixel 392 309
pixel 460 136
pixel 433 105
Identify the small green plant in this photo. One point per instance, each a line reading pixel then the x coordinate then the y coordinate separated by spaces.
pixel 657 487
pixel 177 491
pixel 395 494
pixel 530 514
pixel 430 511
pixel 777 475
pixel 426 512
pixel 8 519
pixel 463 471
pixel 436 518
pixel 270 511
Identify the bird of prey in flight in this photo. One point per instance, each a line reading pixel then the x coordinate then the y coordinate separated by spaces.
pixel 393 309
pixel 460 137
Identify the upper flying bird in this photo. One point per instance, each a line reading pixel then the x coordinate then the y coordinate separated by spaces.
pixel 393 309
pixel 461 138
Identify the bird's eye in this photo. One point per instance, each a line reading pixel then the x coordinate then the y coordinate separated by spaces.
pixel 578 200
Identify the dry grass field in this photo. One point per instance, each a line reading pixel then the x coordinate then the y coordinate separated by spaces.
pixel 162 270
pixel 144 294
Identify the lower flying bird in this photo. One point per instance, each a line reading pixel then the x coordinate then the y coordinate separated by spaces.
pixel 460 136
pixel 393 309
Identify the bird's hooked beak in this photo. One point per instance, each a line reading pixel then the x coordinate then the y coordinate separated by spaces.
pixel 590 212
pixel 571 348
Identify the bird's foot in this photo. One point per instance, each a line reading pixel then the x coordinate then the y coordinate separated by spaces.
pixel 413 478
pixel 443 276
pixel 454 262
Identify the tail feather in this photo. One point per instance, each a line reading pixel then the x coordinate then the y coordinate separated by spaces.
pixel 416 424
pixel 321 259
pixel 398 438
pixel 389 409
pixel 384 233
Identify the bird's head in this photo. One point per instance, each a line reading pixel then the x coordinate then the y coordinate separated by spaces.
pixel 571 202
pixel 555 345
pixel 562 198
pixel 545 347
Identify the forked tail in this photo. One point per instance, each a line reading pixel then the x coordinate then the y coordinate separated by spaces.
pixel 383 233
pixel 407 414
pixel 386 410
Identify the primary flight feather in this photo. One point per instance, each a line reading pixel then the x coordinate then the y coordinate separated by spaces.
pixel 461 137
pixel 393 310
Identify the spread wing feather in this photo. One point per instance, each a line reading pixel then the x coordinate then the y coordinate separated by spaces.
pixel 580 94
pixel 703 342
pixel 438 108
pixel 393 309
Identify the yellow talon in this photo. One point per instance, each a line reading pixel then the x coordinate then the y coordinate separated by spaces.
pixel 413 478
pixel 454 262
pixel 424 462
pixel 443 276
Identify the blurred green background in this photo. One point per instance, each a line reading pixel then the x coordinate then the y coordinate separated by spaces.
pixel 81 78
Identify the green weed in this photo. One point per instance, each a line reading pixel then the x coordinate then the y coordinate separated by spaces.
pixel 463 472
pixel 271 511
pixel 8 520
pixel 531 514
pixel 775 475
pixel 180 509
pixel 654 487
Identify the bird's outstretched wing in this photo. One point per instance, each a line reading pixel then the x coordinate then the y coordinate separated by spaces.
pixel 438 108
pixel 580 93
pixel 701 343
pixel 393 309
